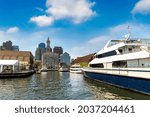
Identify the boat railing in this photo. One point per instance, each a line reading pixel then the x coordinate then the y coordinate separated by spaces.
pixel 146 49
pixel 136 72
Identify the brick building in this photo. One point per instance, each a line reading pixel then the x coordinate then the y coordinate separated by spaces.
pixel 84 60
pixel 25 57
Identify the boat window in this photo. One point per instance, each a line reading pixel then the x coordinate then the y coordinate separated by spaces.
pixel 97 65
pixel 130 49
pixel 120 50
pixel 119 64
pixel 111 53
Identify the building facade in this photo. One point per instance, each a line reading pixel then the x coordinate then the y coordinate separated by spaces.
pixel 50 61
pixel 39 52
pixel 58 50
pixel 42 49
pixel 84 60
pixel 15 48
pixel 25 58
pixel 8 46
pixel 65 59
pixel 38 55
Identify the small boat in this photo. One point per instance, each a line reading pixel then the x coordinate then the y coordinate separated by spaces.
pixel 43 70
pixel 38 71
pixel 64 69
pixel 123 63
pixel 76 69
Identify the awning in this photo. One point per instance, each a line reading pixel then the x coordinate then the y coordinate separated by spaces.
pixel 9 62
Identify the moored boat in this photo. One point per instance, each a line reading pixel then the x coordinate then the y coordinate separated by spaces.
pixel 43 70
pixel 64 69
pixel 123 63
pixel 11 69
pixel 76 69
pixel 21 74
pixel 38 71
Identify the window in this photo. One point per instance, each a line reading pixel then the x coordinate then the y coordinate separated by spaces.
pixel 130 49
pixel 120 64
pixel 97 65
pixel 111 53
pixel 120 50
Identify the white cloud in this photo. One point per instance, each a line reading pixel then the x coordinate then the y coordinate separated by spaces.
pixel 13 30
pixel 143 7
pixel 77 11
pixel 137 30
pixel 99 39
pixel 42 21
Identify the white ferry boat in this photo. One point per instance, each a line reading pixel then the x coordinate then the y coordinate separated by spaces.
pixel 123 63
pixel 76 69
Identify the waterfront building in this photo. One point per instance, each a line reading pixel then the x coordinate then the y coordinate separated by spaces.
pixel 83 61
pixel 39 51
pixel 58 50
pixel 38 55
pixel 65 59
pixel 50 61
pixel 25 58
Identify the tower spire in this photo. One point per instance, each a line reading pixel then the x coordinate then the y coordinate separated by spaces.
pixel 48 48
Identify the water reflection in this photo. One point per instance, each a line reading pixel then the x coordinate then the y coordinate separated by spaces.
pixel 59 86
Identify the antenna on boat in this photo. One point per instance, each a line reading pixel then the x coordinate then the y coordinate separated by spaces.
pixel 129 29
pixel 127 37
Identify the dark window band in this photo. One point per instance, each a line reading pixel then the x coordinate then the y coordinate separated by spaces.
pixel 111 53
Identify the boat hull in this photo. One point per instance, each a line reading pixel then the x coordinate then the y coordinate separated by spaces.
pixel 63 69
pixel 17 74
pixel 76 70
pixel 141 85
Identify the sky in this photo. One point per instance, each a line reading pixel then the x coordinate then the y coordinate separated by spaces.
pixel 81 27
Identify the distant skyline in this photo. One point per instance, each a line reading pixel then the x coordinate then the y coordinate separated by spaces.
pixel 81 27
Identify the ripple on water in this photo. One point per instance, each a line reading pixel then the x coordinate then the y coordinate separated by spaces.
pixel 61 86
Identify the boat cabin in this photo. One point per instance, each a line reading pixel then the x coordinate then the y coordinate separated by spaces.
pixel 123 54
pixel 9 66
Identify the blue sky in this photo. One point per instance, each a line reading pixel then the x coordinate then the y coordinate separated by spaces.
pixel 81 27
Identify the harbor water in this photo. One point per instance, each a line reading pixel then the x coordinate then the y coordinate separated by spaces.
pixel 54 85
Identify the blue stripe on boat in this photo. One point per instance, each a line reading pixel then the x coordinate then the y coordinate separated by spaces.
pixel 136 84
